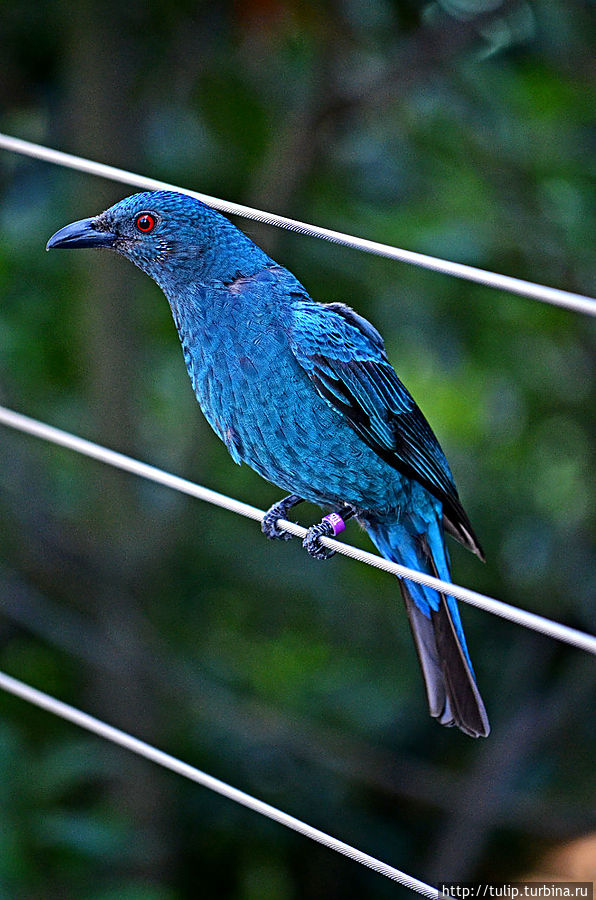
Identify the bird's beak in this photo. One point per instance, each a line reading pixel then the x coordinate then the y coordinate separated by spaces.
pixel 80 234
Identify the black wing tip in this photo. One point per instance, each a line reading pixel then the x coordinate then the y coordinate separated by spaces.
pixel 458 526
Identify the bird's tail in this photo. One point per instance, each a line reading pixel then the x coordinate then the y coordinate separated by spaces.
pixel 453 696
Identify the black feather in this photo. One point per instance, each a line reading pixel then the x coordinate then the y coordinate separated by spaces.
pixel 387 419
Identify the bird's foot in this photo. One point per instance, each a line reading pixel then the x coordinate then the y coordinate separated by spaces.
pixel 279 510
pixel 330 526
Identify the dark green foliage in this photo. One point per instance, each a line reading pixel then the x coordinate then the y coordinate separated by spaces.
pixel 464 135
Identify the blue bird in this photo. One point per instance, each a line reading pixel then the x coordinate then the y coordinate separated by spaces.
pixel 303 392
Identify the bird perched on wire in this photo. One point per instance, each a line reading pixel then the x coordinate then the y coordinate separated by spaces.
pixel 304 393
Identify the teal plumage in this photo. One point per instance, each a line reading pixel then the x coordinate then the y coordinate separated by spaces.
pixel 304 393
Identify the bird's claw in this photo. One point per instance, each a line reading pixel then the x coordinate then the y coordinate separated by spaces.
pixel 312 542
pixel 269 525
pixel 331 525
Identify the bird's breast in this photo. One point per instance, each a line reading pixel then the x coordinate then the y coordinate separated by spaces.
pixel 236 367
pixel 264 407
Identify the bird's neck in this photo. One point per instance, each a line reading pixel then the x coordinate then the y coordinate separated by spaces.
pixel 221 257
pixel 232 255
pixel 236 303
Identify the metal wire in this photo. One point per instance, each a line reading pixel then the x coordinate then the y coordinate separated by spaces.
pixel 554 296
pixel 46 432
pixel 123 739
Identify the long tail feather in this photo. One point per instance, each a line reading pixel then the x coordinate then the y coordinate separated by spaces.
pixel 452 693
pixel 453 696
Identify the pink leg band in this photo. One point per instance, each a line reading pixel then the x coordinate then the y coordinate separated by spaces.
pixel 336 522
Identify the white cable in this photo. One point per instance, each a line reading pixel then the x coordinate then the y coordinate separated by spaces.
pixel 123 739
pixel 555 296
pixel 119 460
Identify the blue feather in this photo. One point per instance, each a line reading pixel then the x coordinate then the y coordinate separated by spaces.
pixel 304 393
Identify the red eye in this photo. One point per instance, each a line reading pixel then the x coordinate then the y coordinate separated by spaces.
pixel 145 222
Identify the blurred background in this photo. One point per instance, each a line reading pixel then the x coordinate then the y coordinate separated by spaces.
pixel 458 128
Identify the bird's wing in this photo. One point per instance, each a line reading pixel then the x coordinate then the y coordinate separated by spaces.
pixel 345 359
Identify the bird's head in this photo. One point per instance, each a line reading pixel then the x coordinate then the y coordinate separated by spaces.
pixel 169 236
